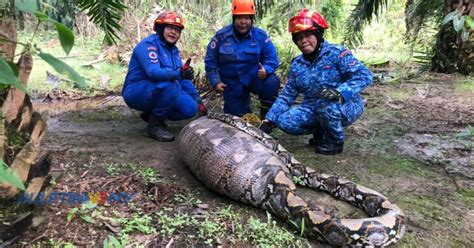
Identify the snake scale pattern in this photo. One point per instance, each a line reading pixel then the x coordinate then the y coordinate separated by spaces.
pixel 238 160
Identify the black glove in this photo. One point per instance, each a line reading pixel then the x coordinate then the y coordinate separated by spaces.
pixel 330 94
pixel 266 126
pixel 187 73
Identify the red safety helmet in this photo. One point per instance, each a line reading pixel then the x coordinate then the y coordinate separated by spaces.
pixel 306 20
pixel 169 18
pixel 243 7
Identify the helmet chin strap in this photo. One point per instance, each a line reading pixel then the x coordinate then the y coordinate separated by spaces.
pixel 314 55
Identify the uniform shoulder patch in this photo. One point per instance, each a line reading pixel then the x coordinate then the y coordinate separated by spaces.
pixel 344 53
pixel 213 44
pixel 268 40
pixel 151 48
pixel 152 55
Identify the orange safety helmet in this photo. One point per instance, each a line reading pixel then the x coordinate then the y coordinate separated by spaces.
pixel 169 18
pixel 306 20
pixel 243 7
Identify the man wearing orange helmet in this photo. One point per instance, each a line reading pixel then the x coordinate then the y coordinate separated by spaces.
pixel 241 59
pixel 329 77
pixel 157 82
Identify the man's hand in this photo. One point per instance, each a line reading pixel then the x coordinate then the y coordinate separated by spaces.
pixel 187 73
pixel 202 108
pixel 220 87
pixel 262 73
pixel 330 94
pixel 266 126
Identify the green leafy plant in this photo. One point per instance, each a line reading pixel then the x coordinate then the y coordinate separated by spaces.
pixel 209 231
pixel 112 242
pixel 186 199
pixel 170 224
pixel 461 23
pixel 138 223
pixel 7 175
pixel 84 212
pixel 268 234
pixel 66 37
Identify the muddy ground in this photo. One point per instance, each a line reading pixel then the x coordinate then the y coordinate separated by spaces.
pixel 414 144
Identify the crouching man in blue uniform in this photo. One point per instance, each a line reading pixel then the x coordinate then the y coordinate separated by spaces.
pixel 329 77
pixel 241 59
pixel 157 83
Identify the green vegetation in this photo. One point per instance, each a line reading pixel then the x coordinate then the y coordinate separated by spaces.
pixel 268 234
pixel 398 166
pixel 7 175
pixel 187 199
pixel 465 86
pixel 146 173
pixel 136 223
pixel 112 242
pixel 83 212
pixel 169 223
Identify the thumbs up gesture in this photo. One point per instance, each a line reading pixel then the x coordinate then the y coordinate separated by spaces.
pixel 262 73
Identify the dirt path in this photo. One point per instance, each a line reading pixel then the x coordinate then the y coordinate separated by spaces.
pixel 414 144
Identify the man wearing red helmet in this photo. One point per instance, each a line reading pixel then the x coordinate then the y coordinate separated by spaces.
pixel 157 83
pixel 241 59
pixel 329 77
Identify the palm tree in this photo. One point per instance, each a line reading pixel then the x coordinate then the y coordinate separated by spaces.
pixel 454 46
pixel 454 42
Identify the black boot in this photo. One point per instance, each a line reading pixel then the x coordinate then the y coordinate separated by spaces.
pixel 317 136
pixel 145 116
pixel 158 130
pixel 329 149
pixel 265 107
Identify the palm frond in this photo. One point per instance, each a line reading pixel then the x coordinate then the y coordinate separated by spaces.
pixel 360 16
pixel 106 14
pixel 418 13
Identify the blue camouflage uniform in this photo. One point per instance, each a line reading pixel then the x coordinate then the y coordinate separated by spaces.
pixel 154 83
pixel 235 63
pixel 334 68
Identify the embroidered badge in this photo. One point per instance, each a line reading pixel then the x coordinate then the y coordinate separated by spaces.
pixel 151 48
pixel 154 61
pixel 344 54
pixel 213 44
pixel 152 55
pixel 268 40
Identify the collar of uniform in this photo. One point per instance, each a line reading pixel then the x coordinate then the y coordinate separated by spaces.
pixel 165 44
pixel 324 49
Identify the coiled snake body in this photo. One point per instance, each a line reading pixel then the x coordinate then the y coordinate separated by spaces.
pixel 238 160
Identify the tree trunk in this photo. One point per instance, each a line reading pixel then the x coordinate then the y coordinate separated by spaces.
pixel 452 53
pixel 17 115
pixel 8 32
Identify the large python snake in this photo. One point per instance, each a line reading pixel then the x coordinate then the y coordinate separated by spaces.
pixel 240 161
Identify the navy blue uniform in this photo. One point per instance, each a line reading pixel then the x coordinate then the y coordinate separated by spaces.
pixel 154 83
pixel 235 62
pixel 334 68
